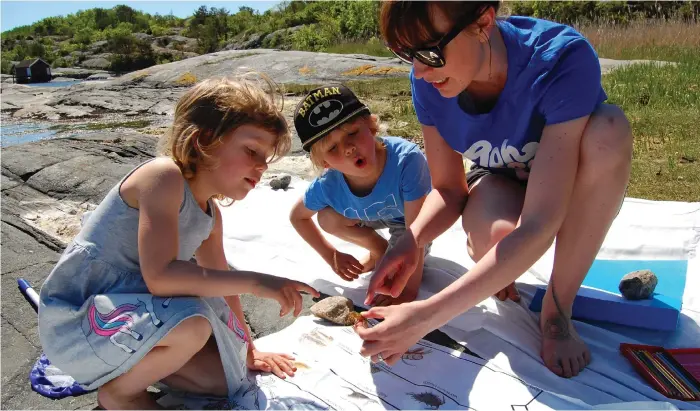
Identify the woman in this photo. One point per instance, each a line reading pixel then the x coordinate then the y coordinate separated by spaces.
pixel 522 99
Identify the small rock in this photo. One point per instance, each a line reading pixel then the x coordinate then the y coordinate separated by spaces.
pixel 334 309
pixel 280 182
pixel 638 285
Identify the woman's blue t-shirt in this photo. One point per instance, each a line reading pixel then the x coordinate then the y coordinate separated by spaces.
pixel 553 76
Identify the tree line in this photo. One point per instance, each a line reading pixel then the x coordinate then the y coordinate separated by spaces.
pixel 319 26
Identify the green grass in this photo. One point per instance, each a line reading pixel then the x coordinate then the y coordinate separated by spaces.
pixel 663 106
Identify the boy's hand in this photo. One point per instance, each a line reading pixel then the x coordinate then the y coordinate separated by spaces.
pixel 346 266
pixel 286 292
pixel 278 364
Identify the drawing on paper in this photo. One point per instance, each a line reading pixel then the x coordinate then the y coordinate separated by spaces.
pixel 414 355
pixel 318 337
pixel 429 399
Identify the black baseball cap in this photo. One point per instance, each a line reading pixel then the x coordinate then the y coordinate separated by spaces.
pixel 324 109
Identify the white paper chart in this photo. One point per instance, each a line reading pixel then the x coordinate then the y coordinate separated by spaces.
pixel 332 375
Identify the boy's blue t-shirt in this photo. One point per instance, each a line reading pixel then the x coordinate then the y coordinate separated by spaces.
pixel 553 76
pixel 405 178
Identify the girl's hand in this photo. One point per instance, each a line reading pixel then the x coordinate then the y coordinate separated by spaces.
pixel 403 326
pixel 278 364
pixel 346 266
pixel 394 269
pixel 286 292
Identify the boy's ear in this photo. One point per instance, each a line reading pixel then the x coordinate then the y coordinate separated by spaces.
pixel 325 164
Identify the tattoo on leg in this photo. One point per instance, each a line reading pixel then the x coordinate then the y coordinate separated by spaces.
pixel 556 328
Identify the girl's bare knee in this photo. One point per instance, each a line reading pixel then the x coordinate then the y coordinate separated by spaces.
pixel 193 331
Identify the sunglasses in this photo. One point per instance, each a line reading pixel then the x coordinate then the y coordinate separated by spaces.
pixel 431 56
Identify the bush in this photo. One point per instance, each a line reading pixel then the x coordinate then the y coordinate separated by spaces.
pixel 130 53
pixel 617 12
pixel 5 67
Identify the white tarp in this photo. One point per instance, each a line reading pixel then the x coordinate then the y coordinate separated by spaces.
pixel 259 237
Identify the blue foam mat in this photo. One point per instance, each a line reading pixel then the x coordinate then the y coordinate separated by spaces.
pixel 600 300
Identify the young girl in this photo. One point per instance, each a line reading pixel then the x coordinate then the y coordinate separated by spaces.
pixel 125 307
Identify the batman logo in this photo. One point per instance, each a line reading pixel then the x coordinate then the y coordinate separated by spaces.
pixel 325 112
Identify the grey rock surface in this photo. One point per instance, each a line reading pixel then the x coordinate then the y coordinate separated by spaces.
pixel 638 285
pixel 75 72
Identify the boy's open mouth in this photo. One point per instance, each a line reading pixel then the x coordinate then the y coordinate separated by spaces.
pixel 360 162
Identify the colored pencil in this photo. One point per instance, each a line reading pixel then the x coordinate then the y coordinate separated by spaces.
pixel 654 371
pixel 659 385
pixel 680 387
pixel 679 373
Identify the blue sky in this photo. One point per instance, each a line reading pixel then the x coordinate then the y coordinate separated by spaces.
pixel 21 13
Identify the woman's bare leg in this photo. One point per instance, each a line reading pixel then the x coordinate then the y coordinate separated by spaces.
pixel 492 212
pixel 603 174
pixel 128 391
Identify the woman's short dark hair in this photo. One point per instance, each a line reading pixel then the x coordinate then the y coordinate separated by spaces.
pixel 407 25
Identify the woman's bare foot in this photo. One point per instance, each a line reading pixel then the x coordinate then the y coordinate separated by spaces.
pixel 109 401
pixel 563 351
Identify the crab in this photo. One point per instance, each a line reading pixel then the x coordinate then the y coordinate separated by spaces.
pixel 357 319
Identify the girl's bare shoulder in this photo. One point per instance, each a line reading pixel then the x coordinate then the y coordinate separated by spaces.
pixel 161 178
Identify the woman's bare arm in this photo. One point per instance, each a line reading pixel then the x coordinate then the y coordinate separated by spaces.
pixel 444 204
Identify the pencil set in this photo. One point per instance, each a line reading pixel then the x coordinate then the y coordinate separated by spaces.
pixel 675 373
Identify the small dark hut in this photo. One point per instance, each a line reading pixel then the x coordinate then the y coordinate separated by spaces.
pixel 32 71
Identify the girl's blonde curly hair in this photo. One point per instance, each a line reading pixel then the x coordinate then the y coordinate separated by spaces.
pixel 212 109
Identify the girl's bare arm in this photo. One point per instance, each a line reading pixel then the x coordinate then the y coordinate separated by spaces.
pixel 160 194
pixel 211 255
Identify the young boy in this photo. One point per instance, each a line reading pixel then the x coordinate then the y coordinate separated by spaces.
pixel 366 183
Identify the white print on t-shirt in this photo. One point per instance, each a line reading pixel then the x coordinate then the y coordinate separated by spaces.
pixel 385 210
pixel 485 155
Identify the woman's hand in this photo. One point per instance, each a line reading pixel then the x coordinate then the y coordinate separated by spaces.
pixel 394 269
pixel 403 326
pixel 286 292
pixel 278 364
